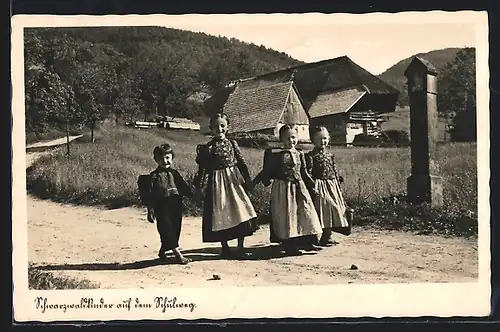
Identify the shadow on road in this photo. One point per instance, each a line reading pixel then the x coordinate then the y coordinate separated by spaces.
pixel 137 265
pixel 196 255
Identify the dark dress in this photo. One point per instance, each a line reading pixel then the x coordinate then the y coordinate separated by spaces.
pixel 168 189
pixel 227 210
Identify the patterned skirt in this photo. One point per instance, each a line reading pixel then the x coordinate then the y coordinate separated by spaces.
pixel 331 207
pixel 228 212
pixel 292 212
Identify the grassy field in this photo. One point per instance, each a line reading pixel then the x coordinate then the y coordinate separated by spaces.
pixel 400 120
pixel 106 171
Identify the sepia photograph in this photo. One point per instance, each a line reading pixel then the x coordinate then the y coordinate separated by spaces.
pixel 336 159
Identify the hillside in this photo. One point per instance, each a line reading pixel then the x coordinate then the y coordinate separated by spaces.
pixel 130 72
pixel 395 74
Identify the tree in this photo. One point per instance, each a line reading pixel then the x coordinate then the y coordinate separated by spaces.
pixel 464 126
pixel 89 87
pixel 457 91
pixel 46 100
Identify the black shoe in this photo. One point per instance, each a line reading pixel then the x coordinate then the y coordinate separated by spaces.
pixel 293 252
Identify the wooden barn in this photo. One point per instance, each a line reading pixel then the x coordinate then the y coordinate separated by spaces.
pixel 265 109
pixel 336 93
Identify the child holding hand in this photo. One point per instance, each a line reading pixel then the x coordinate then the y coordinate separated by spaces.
pixel 329 201
pixel 293 216
pixel 223 179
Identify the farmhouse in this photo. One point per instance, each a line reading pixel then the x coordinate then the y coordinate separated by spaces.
pixel 178 123
pixel 265 109
pixel 166 122
pixel 336 93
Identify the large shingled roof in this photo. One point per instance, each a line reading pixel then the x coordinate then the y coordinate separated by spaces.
pixel 311 81
pixel 336 102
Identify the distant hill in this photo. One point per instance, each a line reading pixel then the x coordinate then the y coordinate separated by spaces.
pixel 395 74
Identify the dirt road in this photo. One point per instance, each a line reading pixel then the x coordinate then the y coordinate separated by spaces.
pixel 118 248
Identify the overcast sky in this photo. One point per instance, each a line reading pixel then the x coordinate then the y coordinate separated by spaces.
pixel 375 43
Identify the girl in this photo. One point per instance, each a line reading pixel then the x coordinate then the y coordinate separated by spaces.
pixel 165 203
pixel 329 201
pixel 293 216
pixel 223 178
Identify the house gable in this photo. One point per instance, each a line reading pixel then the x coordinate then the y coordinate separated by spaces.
pixel 294 111
pixel 256 109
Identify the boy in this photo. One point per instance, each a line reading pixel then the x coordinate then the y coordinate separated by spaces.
pixel 165 204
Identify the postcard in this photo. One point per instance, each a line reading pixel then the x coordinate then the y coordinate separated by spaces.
pixel 250 166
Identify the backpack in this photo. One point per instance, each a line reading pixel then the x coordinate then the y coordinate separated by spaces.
pixel 145 186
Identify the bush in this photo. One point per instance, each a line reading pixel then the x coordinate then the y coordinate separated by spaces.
pixel 106 172
pixel 398 137
pixel 366 140
pixel 253 140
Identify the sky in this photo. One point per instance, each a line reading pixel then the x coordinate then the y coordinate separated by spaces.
pixel 374 44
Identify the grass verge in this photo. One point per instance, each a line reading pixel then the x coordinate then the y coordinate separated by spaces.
pixel 42 280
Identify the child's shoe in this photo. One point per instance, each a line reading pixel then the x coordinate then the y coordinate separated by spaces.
pixel 162 255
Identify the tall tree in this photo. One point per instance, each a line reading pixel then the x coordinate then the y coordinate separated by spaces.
pixel 457 91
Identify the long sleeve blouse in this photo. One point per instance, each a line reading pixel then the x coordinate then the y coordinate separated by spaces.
pixel 321 164
pixel 216 155
pixel 286 165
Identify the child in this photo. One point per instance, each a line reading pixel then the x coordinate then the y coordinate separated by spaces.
pixel 223 178
pixel 329 202
pixel 167 190
pixel 293 216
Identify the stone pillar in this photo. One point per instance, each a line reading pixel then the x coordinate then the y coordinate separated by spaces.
pixel 424 184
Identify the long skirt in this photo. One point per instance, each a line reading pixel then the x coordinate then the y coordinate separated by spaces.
pixel 331 207
pixel 293 215
pixel 228 212
pixel 168 213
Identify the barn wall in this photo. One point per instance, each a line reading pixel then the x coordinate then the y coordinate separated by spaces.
pixel 353 129
pixel 302 130
pixel 336 125
pixel 377 102
pixel 269 131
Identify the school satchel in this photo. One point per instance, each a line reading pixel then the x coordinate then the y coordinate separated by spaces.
pixel 145 186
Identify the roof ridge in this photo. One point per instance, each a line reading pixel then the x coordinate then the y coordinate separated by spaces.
pixel 304 65
pixel 262 87
pixel 374 76
pixel 357 78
